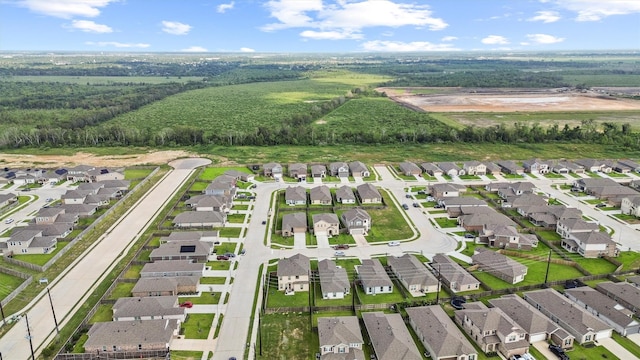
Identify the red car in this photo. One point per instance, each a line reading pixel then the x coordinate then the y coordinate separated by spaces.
pixel 187 304
pixel 222 257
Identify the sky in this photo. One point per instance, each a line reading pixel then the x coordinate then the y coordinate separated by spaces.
pixel 329 26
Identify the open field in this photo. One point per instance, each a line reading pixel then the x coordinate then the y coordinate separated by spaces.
pixel 103 80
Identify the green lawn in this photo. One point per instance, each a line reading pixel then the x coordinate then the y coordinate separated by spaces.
pixel 236 218
pixel 226 247
pixel 279 299
pixel 319 301
pixel 630 260
pixel 617 175
pixel 342 239
pixel 287 336
pixel 446 222
pixel 595 266
pixel 394 297
pixel 204 298
pixel 230 232
pixel 240 207
pixel 8 283
pixel 211 173
pixel 134 173
pixel 388 224
pixel 631 346
pixel 512 176
pixel 580 352
pixel 197 326
pixel 549 235
pixel 186 355
pixel 103 314
pixel 199 186
pixel 536 271
pixel 219 265
pixel 123 289
pixel 133 272
pixel 41 259
pixel 213 280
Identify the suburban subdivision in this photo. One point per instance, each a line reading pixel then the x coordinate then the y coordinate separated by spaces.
pixel 469 260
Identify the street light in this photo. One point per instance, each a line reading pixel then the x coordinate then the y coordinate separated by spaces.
pixel 52 311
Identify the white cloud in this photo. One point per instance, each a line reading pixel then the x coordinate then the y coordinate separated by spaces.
pixel 175 28
pixel 595 10
pixel 66 9
pixel 544 39
pixel 222 8
pixel 449 38
pixel 246 50
pixel 118 44
pixel 329 35
pixel 381 45
pixel 495 40
pixel 90 26
pixel 195 49
pixel 348 17
pixel 546 16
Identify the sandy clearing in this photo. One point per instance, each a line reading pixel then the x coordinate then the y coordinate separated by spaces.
pixel 152 157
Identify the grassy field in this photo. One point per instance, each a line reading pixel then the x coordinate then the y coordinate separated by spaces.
pixel 8 283
pixel 287 336
pixel 103 80
pixel 186 355
pixel 197 326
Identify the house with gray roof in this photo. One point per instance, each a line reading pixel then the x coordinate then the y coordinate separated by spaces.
pixel 585 327
pixel 223 185
pixel 492 329
pixel 340 338
pixel 58 230
pixel 536 325
pixel 431 169
pixel 320 195
pixel 456 202
pixel 566 227
pixel 74 197
pixel 357 221
pixel 166 286
pixel 408 168
pixel 82 210
pixel 318 171
pixel 293 273
pixel 373 277
pixel 334 282
pixel 358 169
pixel 240 175
pixel 588 184
pixel 536 166
pixel 148 308
pixel 450 169
pixel 594 165
pixel 606 309
pixel 298 171
pixel 475 218
pixel 492 168
pixel 515 201
pixel 624 293
pixel 295 195
pixel 474 167
pixel 500 266
pixel 590 244
pixel 345 195
pixel 443 190
pixel 294 223
pixel 7 199
pixel 413 274
pixel 454 276
pixel 630 205
pixel 219 203
pixel 548 215
pixel 626 166
pixel 390 337
pixel 206 236
pixel 325 224
pixel 506 237
pixel 339 169
pixel 200 219
pixel 368 194
pixel 172 268
pixel 634 280
pixel 193 250
pixel 439 334
pixel 510 167
pixel 118 336
pixel 273 170
pixel 30 241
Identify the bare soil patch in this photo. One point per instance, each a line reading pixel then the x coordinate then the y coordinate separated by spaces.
pixel 151 158
pixel 508 100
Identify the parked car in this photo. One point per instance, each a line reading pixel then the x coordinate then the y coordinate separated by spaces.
pixel 341 247
pixel 339 253
pixel 415 204
pixel 243 251
pixel 601 205
pixel 393 243
pixel 405 206
pixel 187 304
pixel 408 196
pixel 264 222
pixel 8 221
pixel 222 257
pixel 558 351
pixel 230 255
pixel 469 236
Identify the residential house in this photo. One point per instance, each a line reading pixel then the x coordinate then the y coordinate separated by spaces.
pixel 298 171
pixel 320 195
pixel 454 276
pixel 293 273
pixel 58 230
pixel 500 266
pixel 273 170
pixel 205 236
pixel 588 184
pixel 224 185
pixel 118 336
pixel 517 188
pixel 79 173
pixel 506 237
pixel 148 308
pixel 585 327
pixel 510 167
pixel 593 165
pixel 413 274
pixel 390 337
pixel 318 171
pixel 624 293
pixel 340 338
pixel 201 219
pixel 474 168
pixel 193 250
pixel 453 204
pixel 326 224
pixel 536 325
pixel 475 218
pixel 53 176
pixel 535 166
pixel 443 190
pixel 345 195
pixel 334 282
pixel 626 166
pixel 73 197
pixel 26 177
pixel 492 168
pixel 548 215
pixel 172 268
pixel 103 174
pixel 166 286
pixel 635 184
pixel 294 223
pixel 523 200
pixel 492 329
pixel 27 241
pixel 48 215
pixel 450 169
pixel 240 175
pixel 358 169
pixel 431 169
pixel 566 227
pixel 218 203
pixel 631 205
pixel 634 280
pixel 590 244
pixel 357 221
pixel 410 169
pixel 339 169
pixel 374 278
pixel 559 167
pixel 439 334
pixel 295 195
pixel 368 194
pixel 7 199
pixel 606 309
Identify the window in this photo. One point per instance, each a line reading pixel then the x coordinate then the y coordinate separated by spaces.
pixel 587 338
pixel 139 346
pixel 567 341
pixel 115 348
pixel 104 348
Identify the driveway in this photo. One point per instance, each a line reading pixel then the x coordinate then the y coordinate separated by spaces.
pixel 317 181
pixel 322 240
pixel 615 348
pixel 543 348
pixel 360 240
pixel 299 241
pixel 344 180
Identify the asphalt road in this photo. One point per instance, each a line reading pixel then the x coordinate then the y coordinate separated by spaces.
pixel 71 289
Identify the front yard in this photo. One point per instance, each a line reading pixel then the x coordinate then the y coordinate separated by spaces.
pixel 197 326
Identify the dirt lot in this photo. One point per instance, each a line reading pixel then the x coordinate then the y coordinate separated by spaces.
pixel 155 157
pixel 507 100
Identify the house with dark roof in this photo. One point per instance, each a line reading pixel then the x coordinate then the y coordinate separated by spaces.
pixel 492 168
pixel 298 171
pixel 454 276
pixel 585 327
pixel 515 201
pixel 166 286
pixel 566 227
pixel 318 171
pixel 193 250
pixel 164 268
pixel 358 169
pixel 334 282
pixel 218 203
pixel 345 195
pixel 389 337
pixel 148 308
pixel 339 169
pixel 536 325
pixel 475 218
pixel 373 277
pixel 240 175
pixel 535 166
pixel 294 223
pixel 30 241
pixel 368 194
pixel 450 169
pixel 357 221
pixel 320 195
pixel 272 170
pixel 325 224
pixel 510 167
pixel 626 166
pixel 293 273
pixel 442 190
pixel 439 334
pixel 594 165
pixel 630 205
pixel 624 293
pixel 295 195
pixel 408 168
pixel 431 169
pixel 118 336
pixel 474 167
pixel 605 308
pixel 7 199
pixel 500 266
pixel 340 338
pixel 548 215
pixel 200 219
pixel 413 274
pixel 506 237
pixel 223 185
pixel 590 244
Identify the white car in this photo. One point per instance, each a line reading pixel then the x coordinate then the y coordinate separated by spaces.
pixel 8 221
pixel 393 243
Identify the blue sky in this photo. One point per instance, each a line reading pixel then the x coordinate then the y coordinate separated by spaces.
pixel 318 25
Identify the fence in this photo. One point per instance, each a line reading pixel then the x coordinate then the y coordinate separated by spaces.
pixel 136 354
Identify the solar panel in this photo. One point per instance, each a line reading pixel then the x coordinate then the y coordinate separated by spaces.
pixel 187 248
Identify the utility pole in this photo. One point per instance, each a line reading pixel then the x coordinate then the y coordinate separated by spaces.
pixel 52 311
pixel 4 320
pixel 438 291
pixel 33 355
pixel 546 275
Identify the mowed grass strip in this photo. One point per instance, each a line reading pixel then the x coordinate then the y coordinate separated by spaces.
pixel 197 326
pixel 8 283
